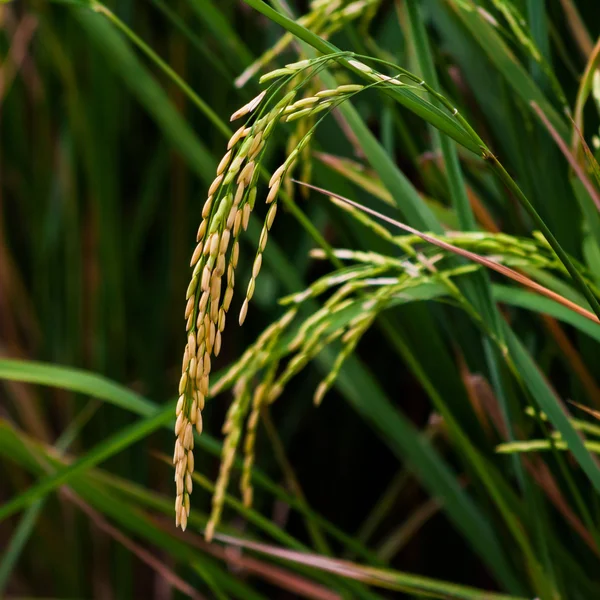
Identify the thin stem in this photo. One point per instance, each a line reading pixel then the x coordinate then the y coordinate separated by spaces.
pixel 424 109
pixel 207 110
pixel 562 255
pixel 221 126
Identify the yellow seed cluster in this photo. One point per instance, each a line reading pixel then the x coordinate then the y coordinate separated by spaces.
pixel 250 441
pixel 231 200
pixel 233 432
pixel 226 212
pixel 245 401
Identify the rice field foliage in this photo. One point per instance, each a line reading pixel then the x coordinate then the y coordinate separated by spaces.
pixel 379 222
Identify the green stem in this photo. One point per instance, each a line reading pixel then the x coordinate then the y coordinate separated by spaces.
pixel 562 255
pixel 207 110
pixel 216 120
pixel 454 176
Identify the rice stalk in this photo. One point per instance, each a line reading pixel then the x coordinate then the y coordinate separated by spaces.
pixel 226 212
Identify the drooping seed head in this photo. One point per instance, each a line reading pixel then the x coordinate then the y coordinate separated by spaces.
pixel 226 211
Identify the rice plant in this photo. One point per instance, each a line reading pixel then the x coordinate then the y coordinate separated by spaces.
pixel 391 308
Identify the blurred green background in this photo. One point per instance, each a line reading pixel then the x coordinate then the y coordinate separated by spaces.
pixel 112 121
